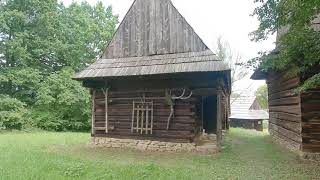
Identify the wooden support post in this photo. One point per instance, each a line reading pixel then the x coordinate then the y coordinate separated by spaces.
pixel 106 109
pixel 151 118
pixel 133 113
pixel 147 118
pixel 138 118
pixel 202 120
pixel 142 118
pixel 219 121
pixel 93 112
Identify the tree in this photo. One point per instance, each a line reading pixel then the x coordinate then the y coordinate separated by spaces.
pixel 262 96
pixel 62 104
pixel 298 49
pixel 39 39
pixel 225 53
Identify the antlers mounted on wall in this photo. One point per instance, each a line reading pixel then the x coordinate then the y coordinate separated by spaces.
pixel 171 99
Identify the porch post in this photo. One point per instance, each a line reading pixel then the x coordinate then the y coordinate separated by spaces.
pixel 106 108
pixel 93 112
pixel 219 120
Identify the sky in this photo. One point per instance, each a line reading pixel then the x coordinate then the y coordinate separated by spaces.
pixel 211 19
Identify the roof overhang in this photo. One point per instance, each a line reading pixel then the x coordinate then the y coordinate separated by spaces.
pixel 192 62
pixel 259 75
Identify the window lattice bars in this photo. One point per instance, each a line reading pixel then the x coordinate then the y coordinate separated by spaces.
pixel 142 117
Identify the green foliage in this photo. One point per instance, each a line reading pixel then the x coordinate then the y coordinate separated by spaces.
pixel 25 82
pixel 38 39
pixel 12 112
pixel 298 46
pixel 262 96
pixel 62 103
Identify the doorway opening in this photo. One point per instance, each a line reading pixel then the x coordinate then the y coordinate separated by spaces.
pixel 210 114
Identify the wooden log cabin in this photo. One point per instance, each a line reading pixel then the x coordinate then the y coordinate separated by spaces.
pixel 294 118
pixel 247 113
pixel 157 80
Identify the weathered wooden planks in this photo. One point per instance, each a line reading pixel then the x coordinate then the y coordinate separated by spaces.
pixel 286 132
pixel 153 27
pixel 310 104
pixel 289 125
pixel 285 110
pixel 120 116
pixel 294 117
pixel 285 141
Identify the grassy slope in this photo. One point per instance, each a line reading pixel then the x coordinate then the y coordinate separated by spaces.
pixel 247 155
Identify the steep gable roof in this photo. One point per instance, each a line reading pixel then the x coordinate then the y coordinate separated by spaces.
pixel 153 39
pixel 153 27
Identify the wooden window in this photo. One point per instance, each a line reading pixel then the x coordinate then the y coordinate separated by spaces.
pixel 142 117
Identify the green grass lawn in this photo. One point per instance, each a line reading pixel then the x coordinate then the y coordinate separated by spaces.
pixel 247 155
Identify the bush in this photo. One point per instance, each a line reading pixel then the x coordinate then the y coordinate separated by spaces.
pixel 12 113
pixel 62 104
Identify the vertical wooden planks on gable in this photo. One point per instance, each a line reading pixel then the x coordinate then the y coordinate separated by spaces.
pixel 153 27
pixel 181 34
pixel 172 30
pixel 142 28
pixel 152 33
pixel 125 46
pixel 188 40
pixel 166 27
pixel 133 31
pixel 138 28
pixel 146 28
pixel 130 25
pixel 158 26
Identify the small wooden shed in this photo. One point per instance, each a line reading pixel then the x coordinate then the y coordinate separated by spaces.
pixel 247 113
pixel 157 80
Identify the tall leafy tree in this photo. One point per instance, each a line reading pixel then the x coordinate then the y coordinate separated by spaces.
pixel 298 48
pixel 40 38
pixel 62 104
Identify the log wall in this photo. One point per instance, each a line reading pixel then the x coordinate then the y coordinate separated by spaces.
pixel 294 118
pixel 256 124
pixel 310 104
pixel 284 110
pixel 183 126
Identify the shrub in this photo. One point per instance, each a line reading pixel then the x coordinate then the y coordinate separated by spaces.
pixel 12 113
pixel 62 103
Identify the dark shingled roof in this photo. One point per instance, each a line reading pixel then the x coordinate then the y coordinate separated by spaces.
pixel 204 61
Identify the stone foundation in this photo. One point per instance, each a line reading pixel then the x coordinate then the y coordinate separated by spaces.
pixel 157 146
pixel 310 156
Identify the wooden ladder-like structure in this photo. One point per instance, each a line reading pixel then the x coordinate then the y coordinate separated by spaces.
pixel 142 117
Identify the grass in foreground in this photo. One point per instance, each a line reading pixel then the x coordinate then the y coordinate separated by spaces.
pixel 247 155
